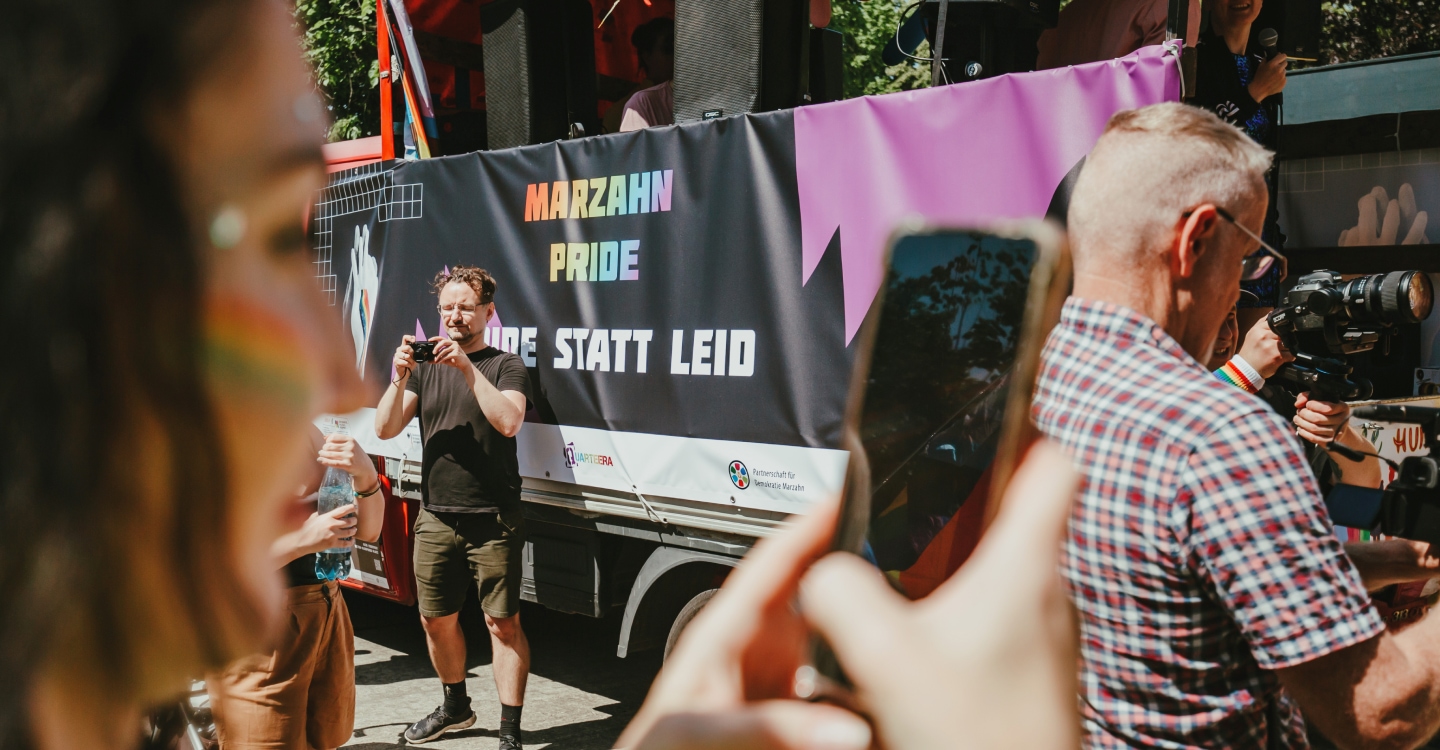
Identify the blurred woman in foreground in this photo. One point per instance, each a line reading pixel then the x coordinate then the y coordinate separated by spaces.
pixel 169 348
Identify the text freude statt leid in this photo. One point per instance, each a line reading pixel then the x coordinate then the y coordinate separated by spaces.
pixel 616 195
pixel 703 351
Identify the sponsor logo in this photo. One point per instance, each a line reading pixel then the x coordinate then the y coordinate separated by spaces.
pixel 739 475
pixel 574 458
pixel 778 479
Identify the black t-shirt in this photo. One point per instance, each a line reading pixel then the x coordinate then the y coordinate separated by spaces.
pixel 468 466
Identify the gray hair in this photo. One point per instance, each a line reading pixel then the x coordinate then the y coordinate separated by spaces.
pixel 1150 166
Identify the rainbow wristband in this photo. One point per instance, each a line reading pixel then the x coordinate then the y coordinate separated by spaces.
pixel 1239 373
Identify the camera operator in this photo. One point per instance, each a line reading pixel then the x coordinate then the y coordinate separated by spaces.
pixel 471 399
pixel 1212 594
pixel 1318 422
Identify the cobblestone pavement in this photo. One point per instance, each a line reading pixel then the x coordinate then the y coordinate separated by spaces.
pixel 580 695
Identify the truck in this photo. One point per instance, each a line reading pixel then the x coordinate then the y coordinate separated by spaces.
pixel 685 296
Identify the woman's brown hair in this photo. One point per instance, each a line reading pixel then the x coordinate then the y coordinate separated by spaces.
pixel 115 560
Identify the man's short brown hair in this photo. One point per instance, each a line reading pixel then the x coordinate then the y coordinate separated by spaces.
pixel 474 277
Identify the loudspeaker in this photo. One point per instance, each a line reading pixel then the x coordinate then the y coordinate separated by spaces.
pixel 827 66
pixel 737 56
pixel 986 38
pixel 539 70
pixel 1297 21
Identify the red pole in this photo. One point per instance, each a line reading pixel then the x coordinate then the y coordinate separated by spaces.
pixel 382 49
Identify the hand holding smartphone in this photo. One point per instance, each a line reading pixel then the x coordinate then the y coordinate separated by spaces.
pixel 939 404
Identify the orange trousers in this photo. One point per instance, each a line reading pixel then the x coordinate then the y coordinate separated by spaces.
pixel 301 696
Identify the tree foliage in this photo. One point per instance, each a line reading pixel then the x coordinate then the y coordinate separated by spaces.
pixel 867 26
pixel 1367 29
pixel 339 42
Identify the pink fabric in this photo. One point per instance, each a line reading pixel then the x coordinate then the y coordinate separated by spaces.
pixel 971 153
pixel 1095 30
pixel 648 108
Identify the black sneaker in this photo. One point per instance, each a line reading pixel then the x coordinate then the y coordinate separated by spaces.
pixel 436 724
pixel 509 743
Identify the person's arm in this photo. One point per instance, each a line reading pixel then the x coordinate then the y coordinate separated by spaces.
pixel 632 120
pixel 1380 693
pixel 1324 422
pixel 1392 561
pixel 1269 79
pixel 397 406
pixel 321 531
pixel 504 409
pixel 342 452
pixel 1266 552
pixel 1262 349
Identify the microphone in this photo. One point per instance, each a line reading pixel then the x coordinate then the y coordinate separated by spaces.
pixel 1268 39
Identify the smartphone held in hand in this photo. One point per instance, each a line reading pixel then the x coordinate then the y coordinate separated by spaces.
pixel 938 414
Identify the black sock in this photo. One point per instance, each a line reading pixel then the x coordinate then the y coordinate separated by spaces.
pixel 510 721
pixel 457 703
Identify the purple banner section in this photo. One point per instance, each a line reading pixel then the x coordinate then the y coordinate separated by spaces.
pixel 970 153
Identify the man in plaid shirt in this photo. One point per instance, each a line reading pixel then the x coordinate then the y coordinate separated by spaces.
pixel 1212 594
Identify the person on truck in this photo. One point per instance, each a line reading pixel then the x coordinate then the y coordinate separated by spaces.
pixel 654 43
pixel 1242 86
pixel 1214 598
pixel 471 401
pixel 302 692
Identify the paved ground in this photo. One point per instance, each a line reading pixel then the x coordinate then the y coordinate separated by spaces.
pixel 580 695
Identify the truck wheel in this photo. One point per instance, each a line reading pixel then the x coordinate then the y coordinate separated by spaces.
pixel 687 613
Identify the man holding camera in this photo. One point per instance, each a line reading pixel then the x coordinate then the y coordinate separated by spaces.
pixel 1213 596
pixel 471 399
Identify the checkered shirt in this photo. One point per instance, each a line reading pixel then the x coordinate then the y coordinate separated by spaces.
pixel 1200 557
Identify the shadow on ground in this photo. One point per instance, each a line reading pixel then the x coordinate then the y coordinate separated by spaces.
pixel 575 651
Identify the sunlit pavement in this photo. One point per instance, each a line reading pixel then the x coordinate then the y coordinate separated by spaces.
pixel 580 695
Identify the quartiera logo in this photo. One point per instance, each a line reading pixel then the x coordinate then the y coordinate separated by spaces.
pixel 739 475
pixel 574 458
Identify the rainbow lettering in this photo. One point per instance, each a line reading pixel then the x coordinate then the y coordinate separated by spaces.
pixel 637 193
pixel 617 260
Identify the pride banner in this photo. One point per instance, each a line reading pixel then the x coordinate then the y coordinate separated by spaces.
pixel 692 291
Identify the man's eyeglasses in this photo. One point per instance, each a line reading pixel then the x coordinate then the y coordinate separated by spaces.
pixel 1256 265
pixel 465 310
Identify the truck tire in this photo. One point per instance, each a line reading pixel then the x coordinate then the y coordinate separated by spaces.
pixel 687 613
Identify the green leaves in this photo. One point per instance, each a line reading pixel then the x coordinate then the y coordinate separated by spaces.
pixel 1366 29
pixel 339 42
pixel 867 27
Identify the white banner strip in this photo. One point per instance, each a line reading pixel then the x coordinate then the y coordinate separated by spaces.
pixel 780 478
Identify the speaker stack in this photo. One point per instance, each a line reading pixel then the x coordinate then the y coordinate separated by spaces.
pixel 738 56
pixel 540 70
pixel 986 38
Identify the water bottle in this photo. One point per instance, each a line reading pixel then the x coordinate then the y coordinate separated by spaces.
pixel 337 490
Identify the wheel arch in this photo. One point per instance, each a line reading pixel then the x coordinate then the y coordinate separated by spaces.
pixel 667 580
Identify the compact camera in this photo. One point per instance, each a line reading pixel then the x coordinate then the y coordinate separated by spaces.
pixel 1324 319
pixel 424 351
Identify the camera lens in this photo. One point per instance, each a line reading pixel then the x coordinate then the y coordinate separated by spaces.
pixel 1390 298
pixel 1405 296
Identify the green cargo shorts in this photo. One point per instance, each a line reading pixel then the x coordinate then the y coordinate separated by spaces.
pixel 453 549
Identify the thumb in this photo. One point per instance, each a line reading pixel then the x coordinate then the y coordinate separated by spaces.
pixel 852 606
pixel 342 511
pixel 771 725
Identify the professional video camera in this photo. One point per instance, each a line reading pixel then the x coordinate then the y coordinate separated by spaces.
pixel 1323 316
pixel 1410 507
